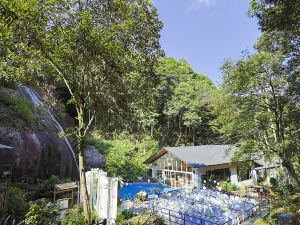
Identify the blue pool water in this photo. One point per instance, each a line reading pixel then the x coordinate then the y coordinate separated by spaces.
pixel 129 191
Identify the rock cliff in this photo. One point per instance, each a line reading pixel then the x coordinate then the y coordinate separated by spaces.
pixel 38 151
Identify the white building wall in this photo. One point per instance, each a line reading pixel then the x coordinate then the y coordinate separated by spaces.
pixel 233 175
pixel 197 181
pixel 154 170
pixel 253 174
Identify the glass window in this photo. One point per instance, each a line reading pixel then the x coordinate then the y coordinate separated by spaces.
pixel 174 164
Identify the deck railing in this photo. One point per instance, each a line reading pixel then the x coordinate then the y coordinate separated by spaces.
pixel 174 217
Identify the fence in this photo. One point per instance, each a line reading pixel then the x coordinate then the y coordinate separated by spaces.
pixel 178 218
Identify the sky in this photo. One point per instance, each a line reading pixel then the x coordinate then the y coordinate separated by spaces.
pixel 206 32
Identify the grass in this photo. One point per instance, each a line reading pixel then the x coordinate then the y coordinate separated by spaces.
pixel 21 106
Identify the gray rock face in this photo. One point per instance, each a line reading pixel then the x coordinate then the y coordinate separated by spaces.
pixel 39 153
pixel 93 158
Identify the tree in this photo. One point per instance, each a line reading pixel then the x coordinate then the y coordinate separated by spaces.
pixel 264 110
pixel 279 21
pixel 91 46
pixel 280 15
pixel 181 104
pixel 188 108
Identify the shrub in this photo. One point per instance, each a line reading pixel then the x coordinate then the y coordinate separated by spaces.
pixel 120 219
pixel 273 182
pixel 38 188
pixel 260 221
pixel 127 214
pixel 125 154
pixel 211 182
pixel 145 219
pixel 227 186
pixel 7 83
pixel 41 212
pixel 74 217
pixel 17 204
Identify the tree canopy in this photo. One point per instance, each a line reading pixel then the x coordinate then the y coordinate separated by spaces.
pixel 94 48
pixel 258 104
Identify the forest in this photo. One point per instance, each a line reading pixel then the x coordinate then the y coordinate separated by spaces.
pixel 101 63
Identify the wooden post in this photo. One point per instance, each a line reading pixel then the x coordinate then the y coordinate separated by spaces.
pixel 72 198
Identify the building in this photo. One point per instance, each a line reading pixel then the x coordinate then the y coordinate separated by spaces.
pixel 190 166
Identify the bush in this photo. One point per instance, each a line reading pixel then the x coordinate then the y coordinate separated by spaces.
pixel 125 154
pixel 120 219
pixel 21 106
pixel 145 219
pixel 127 214
pixel 211 182
pixel 7 83
pixel 36 188
pixel 227 186
pixel 260 221
pixel 74 217
pixel 17 204
pixel 41 212
pixel 273 182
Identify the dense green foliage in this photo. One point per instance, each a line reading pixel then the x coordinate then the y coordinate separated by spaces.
pixel 107 56
pixel 177 110
pixel 145 219
pixel 178 114
pixel 41 212
pixel 36 188
pixel 21 106
pixel 228 186
pixel 125 154
pixel 104 54
pixel 258 104
pixel 280 15
pixel 74 217
pixel 181 104
pixel 17 203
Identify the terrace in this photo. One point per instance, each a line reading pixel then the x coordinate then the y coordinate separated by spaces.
pixel 205 207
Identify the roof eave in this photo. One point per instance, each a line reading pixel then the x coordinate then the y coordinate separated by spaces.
pixel 155 156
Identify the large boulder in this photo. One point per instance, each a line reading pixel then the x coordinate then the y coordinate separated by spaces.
pixel 38 151
pixel 93 158
pixel 39 154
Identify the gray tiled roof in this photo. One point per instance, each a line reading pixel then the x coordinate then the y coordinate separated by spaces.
pixel 203 155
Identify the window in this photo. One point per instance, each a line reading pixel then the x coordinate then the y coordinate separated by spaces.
pixel 243 174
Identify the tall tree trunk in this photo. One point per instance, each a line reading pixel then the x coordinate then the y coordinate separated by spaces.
pixel 83 188
pixel 288 165
pixel 80 144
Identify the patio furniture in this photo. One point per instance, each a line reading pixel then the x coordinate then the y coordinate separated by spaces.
pixel 64 194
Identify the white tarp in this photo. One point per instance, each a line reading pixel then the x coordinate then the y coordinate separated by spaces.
pixel 103 194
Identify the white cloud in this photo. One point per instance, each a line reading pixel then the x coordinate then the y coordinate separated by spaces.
pixel 198 4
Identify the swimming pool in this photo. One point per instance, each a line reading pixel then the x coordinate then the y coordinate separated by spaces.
pixel 128 191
